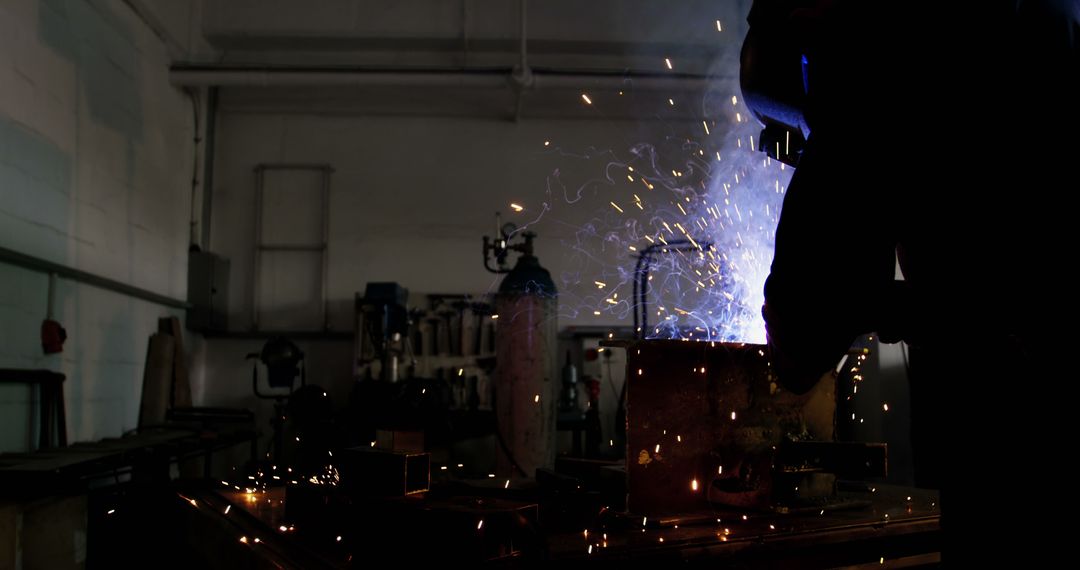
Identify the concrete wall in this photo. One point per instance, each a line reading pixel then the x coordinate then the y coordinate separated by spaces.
pixel 95 173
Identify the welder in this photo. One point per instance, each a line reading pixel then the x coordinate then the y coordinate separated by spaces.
pixel 883 110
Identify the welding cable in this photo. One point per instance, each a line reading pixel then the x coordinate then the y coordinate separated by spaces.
pixel 498 433
pixel 638 297
pixel 641 271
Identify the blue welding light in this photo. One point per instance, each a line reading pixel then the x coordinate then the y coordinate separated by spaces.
pixel 805 79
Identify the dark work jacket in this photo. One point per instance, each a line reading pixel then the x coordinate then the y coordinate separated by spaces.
pixel 944 142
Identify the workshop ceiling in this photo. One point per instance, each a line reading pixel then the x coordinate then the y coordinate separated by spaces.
pixel 321 55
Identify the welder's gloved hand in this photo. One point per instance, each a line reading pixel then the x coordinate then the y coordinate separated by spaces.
pixel 805 342
pixel 802 346
pixel 897 313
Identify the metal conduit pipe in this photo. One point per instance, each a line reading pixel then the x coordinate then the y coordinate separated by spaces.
pixel 213 76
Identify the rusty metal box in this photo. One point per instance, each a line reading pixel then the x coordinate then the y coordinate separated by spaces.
pixel 704 421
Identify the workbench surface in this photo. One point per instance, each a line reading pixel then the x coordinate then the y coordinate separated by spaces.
pixel 898 526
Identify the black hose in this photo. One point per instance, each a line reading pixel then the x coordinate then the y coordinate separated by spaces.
pixel 498 433
pixel 641 271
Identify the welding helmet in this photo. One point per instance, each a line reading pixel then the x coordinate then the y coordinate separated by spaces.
pixel 774 77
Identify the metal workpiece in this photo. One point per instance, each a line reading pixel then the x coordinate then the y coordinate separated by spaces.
pixel 374 472
pixel 705 422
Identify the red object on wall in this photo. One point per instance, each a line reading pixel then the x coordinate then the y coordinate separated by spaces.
pixel 52 336
pixel 592 385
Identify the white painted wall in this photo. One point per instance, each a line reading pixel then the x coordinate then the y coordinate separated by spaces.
pixel 411 197
pixel 95 173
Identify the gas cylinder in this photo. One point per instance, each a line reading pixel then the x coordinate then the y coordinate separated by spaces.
pixel 526 373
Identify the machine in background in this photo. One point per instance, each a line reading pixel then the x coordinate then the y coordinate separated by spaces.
pixel 284 362
pixel 382 324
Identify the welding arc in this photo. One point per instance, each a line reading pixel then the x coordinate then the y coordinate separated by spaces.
pixel 499 436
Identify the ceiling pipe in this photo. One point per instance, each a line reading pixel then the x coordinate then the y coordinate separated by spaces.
pixel 522 76
pixel 524 36
pixel 223 76
pixel 628 81
pixel 464 33
pixel 269 77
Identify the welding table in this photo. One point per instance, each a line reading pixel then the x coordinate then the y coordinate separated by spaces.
pixel 901 526
pixel 892 530
pixel 71 468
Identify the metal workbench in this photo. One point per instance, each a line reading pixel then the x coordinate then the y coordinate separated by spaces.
pixel 892 531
